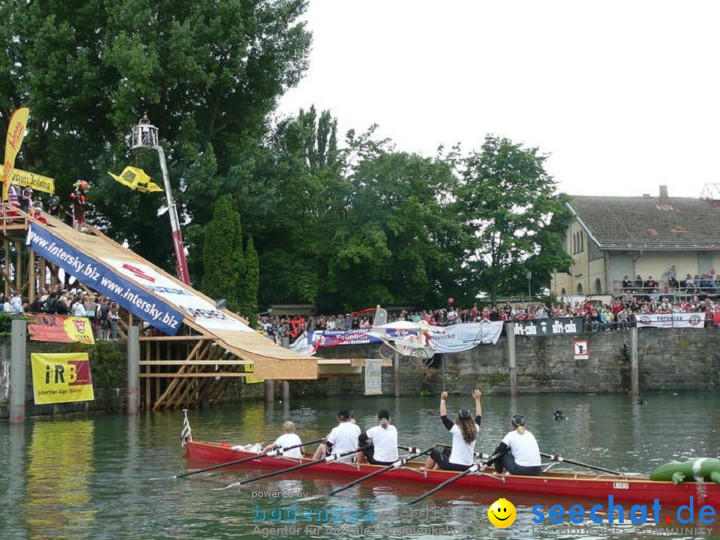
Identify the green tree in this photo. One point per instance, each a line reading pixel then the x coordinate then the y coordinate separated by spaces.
pixel 208 73
pixel 250 283
pixel 223 259
pixel 506 201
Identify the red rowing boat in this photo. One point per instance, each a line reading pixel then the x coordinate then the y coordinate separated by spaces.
pixel 634 489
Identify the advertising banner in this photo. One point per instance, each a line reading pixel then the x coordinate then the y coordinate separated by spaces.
pixel 445 339
pixel 61 377
pixel 671 320
pixel 15 136
pixel 373 377
pixel 127 294
pixel 206 314
pixel 61 329
pixel 35 181
pixel 549 327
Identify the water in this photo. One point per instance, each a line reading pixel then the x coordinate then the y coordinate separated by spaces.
pixel 108 476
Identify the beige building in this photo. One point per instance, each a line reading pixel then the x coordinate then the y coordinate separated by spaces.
pixel 613 237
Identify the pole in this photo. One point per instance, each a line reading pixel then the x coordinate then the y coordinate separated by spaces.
pixel 269 391
pixel 181 262
pixel 133 370
pixel 634 365
pixel 512 369
pixel 396 373
pixel 17 371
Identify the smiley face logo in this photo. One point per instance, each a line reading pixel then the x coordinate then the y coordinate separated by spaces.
pixel 502 513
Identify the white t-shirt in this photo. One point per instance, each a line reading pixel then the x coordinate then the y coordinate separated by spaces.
pixel 344 438
pixel 524 448
pixel 385 443
pixel 78 310
pixel 289 439
pixel 462 452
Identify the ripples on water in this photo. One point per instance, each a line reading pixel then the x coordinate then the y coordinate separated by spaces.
pixel 108 476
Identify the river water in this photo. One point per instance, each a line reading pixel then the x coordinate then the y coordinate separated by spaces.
pixel 110 476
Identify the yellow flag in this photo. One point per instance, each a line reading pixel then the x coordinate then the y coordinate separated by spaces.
pixel 15 134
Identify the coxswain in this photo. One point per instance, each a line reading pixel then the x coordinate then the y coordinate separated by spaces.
pixel 518 452
pixel 464 430
pixel 380 442
pixel 343 438
pixel 287 439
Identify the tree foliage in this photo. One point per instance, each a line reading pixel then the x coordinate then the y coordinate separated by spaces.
pixel 208 73
pixel 506 201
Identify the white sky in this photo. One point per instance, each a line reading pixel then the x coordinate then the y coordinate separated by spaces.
pixel 624 95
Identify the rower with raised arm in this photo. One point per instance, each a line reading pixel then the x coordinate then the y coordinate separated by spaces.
pixel 464 431
pixel 287 439
pixel 519 451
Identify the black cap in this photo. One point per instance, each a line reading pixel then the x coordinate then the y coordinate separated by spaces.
pixel 464 413
pixel 343 414
pixel 518 420
pixel 384 413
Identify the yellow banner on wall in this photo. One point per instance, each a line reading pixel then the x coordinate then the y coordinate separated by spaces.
pixel 15 135
pixel 61 377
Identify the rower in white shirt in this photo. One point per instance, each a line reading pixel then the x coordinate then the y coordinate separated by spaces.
pixel 343 438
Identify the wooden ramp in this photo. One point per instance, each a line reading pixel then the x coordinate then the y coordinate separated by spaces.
pixel 190 349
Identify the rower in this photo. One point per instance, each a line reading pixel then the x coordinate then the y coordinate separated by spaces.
pixel 287 439
pixel 343 438
pixel 519 451
pixel 380 442
pixel 464 431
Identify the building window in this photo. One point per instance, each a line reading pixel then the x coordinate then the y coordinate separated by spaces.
pixel 598 286
pixel 579 288
pixel 562 292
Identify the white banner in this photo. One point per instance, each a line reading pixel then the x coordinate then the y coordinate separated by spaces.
pixel 465 336
pixel 205 313
pixel 671 320
pixel 373 377
pixel 302 346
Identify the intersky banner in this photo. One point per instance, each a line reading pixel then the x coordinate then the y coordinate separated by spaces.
pixel 131 297
pixel 671 320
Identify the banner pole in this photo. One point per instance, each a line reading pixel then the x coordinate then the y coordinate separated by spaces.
pixel 18 362
pixel 133 370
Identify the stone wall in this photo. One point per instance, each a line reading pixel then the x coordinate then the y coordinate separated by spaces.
pixel 669 359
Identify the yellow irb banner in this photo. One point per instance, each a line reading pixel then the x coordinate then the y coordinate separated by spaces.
pixel 61 377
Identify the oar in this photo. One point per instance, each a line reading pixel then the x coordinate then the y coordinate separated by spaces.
pixel 269 453
pixel 446 483
pixel 328 459
pixel 397 464
pixel 560 459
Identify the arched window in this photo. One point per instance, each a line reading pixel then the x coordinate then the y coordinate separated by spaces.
pixel 582 241
pixel 598 286
pixel 579 288
pixel 562 292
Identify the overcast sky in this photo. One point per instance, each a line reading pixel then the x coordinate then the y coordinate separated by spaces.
pixel 624 96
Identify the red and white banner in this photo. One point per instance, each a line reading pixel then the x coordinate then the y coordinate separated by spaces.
pixel 671 320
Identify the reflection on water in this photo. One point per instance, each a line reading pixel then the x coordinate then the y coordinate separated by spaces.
pixel 60 462
pixel 110 476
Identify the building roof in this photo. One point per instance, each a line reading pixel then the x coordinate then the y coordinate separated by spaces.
pixel 647 223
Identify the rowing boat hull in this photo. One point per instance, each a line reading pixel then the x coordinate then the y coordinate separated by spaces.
pixel 634 489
